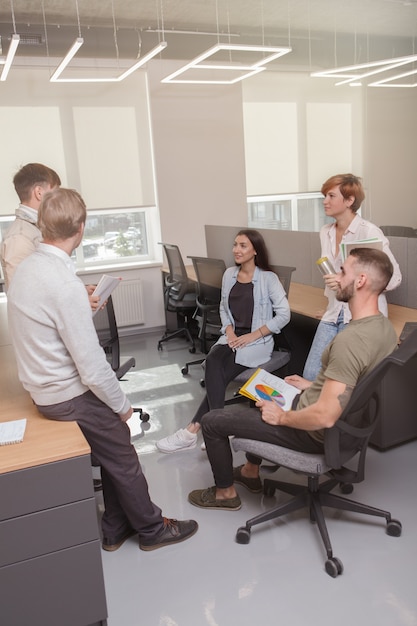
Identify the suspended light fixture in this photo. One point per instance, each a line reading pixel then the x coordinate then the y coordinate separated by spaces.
pixel 71 52
pixel 67 58
pixel 10 56
pixel 14 42
pixel 353 74
pixel 156 50
pixel 79 41
pixel 221 71
pixel 244 70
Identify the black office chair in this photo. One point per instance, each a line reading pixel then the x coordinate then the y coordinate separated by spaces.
pixel 284 273
pixel 179 296
pixel 106 327
pixel 346 441
pixel 209 275
pixel 399 231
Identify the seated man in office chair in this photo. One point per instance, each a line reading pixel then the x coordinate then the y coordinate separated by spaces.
pixel 368 339
pixel 63 367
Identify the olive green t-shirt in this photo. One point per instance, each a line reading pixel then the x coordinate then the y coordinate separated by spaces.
pixel 350 355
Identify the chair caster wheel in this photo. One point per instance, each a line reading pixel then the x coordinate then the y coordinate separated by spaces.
pixel 334 567
pixel 184 370
pixel 191 350
pixel 243 535
pixel 346 487
pixel 394 528
pixel 143 416
pixel 202 383
pixel 269 490
pixel 159 346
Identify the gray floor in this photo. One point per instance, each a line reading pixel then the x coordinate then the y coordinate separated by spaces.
pixel 278 578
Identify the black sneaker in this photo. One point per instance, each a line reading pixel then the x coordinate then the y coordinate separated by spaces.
pixel 174 531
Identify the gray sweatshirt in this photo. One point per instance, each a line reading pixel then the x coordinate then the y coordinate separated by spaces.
pixel 57 349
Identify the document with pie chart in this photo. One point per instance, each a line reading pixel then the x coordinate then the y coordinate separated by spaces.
pixel 265 386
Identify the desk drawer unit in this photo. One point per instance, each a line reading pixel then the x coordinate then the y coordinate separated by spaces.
pixel 58 589
pixel 45 486
pixel 50 554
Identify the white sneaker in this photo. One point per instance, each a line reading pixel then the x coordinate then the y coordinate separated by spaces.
pixel 181 440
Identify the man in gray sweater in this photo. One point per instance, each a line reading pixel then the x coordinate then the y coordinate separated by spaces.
pixel 63 367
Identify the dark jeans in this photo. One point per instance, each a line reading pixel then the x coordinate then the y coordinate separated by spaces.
pixel 125 490
pixel 245 422
pixel 220 370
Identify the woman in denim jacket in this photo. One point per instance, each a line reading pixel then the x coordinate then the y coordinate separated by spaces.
pixel 253 307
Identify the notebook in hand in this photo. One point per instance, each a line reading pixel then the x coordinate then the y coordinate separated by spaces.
pixel 266 386
pixel 104 288
pixel 346 247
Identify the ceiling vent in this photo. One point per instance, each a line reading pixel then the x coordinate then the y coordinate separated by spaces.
pixel 31 40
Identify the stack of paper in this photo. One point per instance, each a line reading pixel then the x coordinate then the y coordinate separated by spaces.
pixel 104 287
pixel 12 432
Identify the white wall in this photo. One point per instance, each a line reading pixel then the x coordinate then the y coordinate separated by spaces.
pixel 391 155
pixel 199 157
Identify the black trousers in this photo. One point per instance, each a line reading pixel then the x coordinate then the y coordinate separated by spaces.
pixel 246 422
pixel 125 490
pixel 220 370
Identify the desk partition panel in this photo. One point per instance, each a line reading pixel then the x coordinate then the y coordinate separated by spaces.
pixel 302 249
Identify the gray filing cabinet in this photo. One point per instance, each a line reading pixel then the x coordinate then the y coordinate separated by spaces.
pixel 50 554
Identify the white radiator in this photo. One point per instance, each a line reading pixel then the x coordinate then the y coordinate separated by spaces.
pixel 128 303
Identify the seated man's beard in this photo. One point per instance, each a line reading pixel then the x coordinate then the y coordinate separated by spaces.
pixel 345 294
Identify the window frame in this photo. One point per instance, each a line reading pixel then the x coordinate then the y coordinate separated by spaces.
pixel 84 264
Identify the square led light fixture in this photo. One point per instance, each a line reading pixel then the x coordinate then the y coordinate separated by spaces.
pixel 221 72
pixel 76 46
pixel 353 74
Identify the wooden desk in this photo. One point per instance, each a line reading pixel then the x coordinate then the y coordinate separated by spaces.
pixel 398 419
pixel 50 559
pixel 307 300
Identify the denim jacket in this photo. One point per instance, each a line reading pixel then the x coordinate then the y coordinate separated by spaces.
pixel 270 307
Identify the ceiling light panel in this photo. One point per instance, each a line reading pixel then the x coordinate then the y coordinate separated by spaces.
pixel 355 73
pixel 222 62
pixel 104 79
pixel 15 40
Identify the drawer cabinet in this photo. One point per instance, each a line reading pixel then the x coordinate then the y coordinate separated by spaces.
pixel 50 557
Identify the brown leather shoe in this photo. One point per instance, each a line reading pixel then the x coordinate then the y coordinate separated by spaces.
pixel 110 545
pixel 174 531
pixel 252 484
pixel 206 499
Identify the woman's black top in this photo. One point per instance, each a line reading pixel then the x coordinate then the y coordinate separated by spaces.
pixel 241 307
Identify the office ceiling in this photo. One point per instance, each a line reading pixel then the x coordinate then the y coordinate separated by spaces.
pixel 322 33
